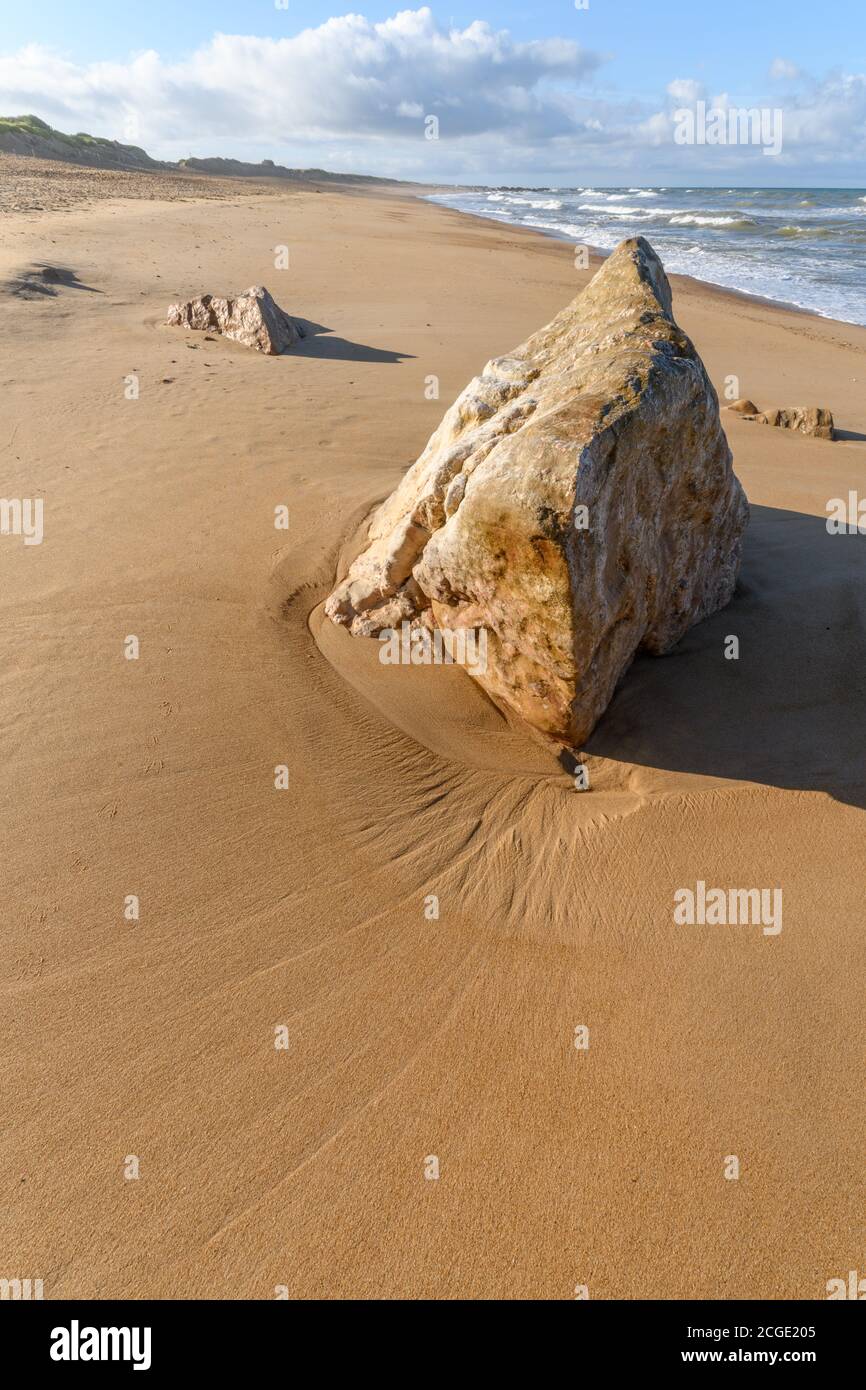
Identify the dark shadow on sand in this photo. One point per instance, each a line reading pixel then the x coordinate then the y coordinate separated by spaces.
pixel 317 342
pixel 43 281
pixel 791 711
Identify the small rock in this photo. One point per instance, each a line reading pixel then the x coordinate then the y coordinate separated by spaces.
pixel 814 421
pixel 252 318
pixel 743 407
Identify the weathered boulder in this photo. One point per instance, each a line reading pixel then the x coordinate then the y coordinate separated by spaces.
pixel 252 318
pixel 577 502
pixel 812 420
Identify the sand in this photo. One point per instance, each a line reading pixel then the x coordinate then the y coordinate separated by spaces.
pixel 303 1168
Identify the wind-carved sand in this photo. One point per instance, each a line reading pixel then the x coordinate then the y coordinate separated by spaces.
pixel 577 504
pixel 306 908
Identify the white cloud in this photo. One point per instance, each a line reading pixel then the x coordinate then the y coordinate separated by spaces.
pixel 353 94
pixel 823 124
pixel 828 119
pixel 349 76
pixel 685 91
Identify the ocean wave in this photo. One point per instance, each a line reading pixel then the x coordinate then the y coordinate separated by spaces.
pixel 565 229
pixel 549 204
pixel 612 197
pixel 695 219
pixel 621 211
pixel 808 233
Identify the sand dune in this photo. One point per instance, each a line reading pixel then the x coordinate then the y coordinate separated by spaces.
pixel 304 1168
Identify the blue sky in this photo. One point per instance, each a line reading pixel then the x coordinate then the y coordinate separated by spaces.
pixel 593 102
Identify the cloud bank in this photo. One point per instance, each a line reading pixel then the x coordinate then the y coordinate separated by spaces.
pixel 356 94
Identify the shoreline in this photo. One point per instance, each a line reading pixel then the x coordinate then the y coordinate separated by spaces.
pixel 598 254
pixel 219 187
pixel 689 284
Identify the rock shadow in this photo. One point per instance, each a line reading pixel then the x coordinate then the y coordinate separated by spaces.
pixel 43 281
pixel 318 342
pixel 790 711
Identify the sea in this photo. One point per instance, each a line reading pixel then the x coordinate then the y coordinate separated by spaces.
pixel 798 246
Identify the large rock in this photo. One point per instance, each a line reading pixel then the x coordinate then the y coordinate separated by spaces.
pixel 252 318
pixel 577 502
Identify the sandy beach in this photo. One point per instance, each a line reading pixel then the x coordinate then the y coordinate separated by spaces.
pixel 302 1168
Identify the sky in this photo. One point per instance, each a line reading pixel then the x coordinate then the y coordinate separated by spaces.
pixel 550 92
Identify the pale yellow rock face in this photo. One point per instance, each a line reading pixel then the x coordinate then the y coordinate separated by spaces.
pixel 577 502
pixel 253 318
